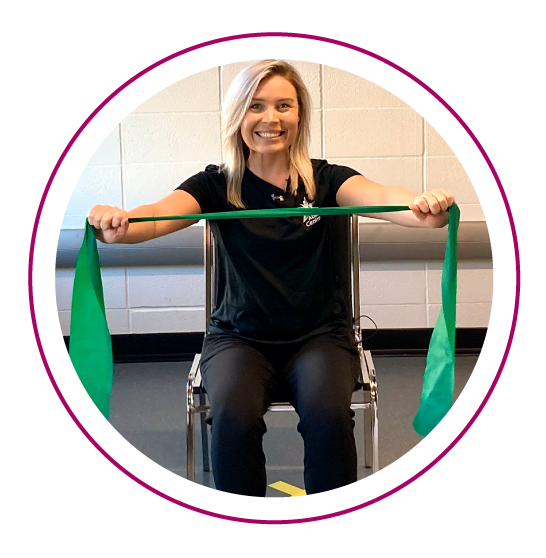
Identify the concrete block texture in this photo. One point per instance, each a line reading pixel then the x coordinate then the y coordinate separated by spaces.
pixel 197 93
pixel 157 287
pixel 474 282
pixel 118 321
pixel 389 283
pixel 389 171
pixel 474 293
pixel 113 282
pixel 147 183
pixel 435 144
pixel 167 320
pixel 469 314
pixel 394 316
pixel 447 172
pixel 345 90
pixel 96 185
pixel 471 212
pixel 108 152
pixel 372 133
pixel 173 138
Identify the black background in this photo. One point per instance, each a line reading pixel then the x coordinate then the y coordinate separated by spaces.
pixel 65 89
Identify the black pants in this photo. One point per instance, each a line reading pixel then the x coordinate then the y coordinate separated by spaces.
pixel 317 377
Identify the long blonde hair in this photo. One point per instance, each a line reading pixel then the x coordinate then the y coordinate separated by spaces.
pixel 236 104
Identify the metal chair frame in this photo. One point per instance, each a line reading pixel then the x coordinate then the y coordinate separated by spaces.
pixel 368 383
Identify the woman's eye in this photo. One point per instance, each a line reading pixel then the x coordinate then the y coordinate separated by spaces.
pixel 259 106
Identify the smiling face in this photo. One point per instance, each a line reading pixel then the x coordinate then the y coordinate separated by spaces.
pixel 271 122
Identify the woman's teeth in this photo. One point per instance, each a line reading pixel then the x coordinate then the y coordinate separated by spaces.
pixel 269 134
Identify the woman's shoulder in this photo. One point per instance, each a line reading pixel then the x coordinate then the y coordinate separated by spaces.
pixel 323 164
pixel 323 170
pixel 211 177
pixel 318 164
pixel 208 187
pixel 213 172
pixel 330 176
pixel 213 169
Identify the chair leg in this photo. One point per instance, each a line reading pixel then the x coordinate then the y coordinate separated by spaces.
pixel 371 423
pixel 368 434
pixel 190 455
pixel 374 434
pixel 204 435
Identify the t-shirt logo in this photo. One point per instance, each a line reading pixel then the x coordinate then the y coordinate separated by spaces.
pixel 309 219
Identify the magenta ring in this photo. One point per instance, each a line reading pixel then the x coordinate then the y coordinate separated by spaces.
pixel 164 61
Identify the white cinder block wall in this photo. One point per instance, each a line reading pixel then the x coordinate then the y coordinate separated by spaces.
pixel 176 133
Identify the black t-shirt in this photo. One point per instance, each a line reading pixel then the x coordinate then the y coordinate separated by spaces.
pixel 274 277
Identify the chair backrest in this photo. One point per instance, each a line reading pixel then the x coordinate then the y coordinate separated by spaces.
pixel 346 263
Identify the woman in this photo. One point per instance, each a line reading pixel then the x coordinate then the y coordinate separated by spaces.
pixel 278 324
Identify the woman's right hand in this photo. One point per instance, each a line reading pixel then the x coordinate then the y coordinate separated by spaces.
pixel 111 223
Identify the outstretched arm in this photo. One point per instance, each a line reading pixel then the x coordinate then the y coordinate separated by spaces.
pixel 427 210
pixel 112 223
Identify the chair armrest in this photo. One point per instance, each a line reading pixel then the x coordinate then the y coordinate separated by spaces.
pixel 367 368
pixel 194 377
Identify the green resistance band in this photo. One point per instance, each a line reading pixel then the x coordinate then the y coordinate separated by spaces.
pixel 91 346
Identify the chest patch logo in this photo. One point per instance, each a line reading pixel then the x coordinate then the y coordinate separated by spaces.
pixel 309 220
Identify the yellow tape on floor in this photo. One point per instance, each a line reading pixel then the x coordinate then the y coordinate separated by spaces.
pixel 287 488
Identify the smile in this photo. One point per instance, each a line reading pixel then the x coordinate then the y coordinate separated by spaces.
pixel 269 134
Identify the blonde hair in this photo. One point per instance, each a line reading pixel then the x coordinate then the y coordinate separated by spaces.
pixel 236 104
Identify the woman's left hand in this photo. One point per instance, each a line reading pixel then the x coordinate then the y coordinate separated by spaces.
pixel 431 207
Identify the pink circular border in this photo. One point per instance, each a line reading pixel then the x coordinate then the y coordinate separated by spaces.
pixel 249 36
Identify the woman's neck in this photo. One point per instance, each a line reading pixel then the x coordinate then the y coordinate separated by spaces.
pixel 271 168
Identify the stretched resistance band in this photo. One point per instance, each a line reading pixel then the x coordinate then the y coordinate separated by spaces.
pixel 91 346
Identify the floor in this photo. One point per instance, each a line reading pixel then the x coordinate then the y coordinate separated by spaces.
pixel 148 408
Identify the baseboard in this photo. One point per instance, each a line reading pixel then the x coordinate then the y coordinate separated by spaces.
pixel 173 347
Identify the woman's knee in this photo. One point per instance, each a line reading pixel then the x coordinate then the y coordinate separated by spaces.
pixel 326 417
pixel 238 421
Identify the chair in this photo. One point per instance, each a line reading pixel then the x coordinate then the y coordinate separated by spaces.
pixel 348 269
